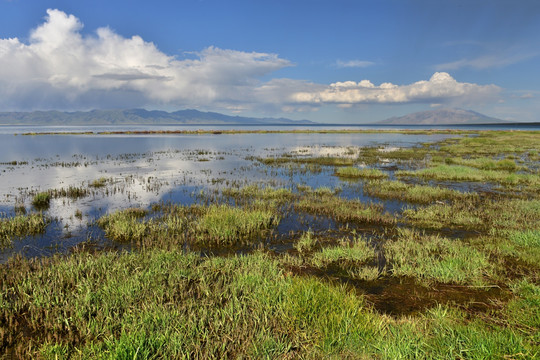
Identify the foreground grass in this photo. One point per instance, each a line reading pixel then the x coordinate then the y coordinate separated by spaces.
pixel 164 304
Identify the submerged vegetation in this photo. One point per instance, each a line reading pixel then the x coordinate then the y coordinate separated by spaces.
pixel 431 252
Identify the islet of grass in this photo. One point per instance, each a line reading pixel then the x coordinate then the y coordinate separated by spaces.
pixel 354 172
pixel 413 193
pixel 41 200
pixel 21 226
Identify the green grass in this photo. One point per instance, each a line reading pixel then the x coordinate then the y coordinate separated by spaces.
pixel 493 217
pixel 484 163
pixel 429 258
pixel 98 183
pixel 327 204
pixel 465 173
pixel 166 304
pixel 41 200
pixel 21 226
pixel 125 225
pixel 353 172
pixel 306 243
pixel 414 193
pixel 354 258
pixel 321 160
pixel 224 224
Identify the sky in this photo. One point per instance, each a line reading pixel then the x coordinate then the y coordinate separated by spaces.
pixel 331 61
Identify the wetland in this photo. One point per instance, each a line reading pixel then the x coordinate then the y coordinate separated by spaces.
pixel 289 243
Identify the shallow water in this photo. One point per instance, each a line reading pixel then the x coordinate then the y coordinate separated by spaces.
pixel 146 169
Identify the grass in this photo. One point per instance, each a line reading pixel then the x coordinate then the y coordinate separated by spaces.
pixel 98 183
pixel 434 258
pixel 354 258
pixel 125 225
pixel 166 304
pixel 485 163
pixel 224 224
pixel 321 160
pixel 306 243
pixel 353 172
pixel 413 193
pixel 21 226
pixel 493 217
pixel 465 173
pixel 41 200
pixel 343 210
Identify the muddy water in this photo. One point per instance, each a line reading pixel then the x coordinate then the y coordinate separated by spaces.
pixel 142 170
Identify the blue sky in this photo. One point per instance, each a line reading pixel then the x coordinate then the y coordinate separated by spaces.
pixel 329 61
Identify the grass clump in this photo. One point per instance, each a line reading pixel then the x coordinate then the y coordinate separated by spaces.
pixel 21 226
pixel 343 210
pixel 225 224
pixel 41 200
pixel 484 163
pixel 354 258
pixel 125 225
pixel 353 172
pixel 465 173
pixel 99 183
pixel 320 160
pixel 430 258
pixel 306 243
pixel 421 194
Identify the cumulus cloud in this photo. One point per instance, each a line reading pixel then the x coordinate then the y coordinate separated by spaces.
pixel 353 64
pixel 440 88
pixel 60 67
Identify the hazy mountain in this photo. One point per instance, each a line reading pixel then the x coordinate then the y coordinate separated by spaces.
pixel 443 117
pixel 134 116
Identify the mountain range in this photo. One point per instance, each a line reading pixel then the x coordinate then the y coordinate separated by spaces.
pixel 195 117
pixel 443 117
pixel 137 116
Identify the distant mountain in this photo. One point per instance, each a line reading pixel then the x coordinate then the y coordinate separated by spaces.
pixel 443 117
pixel 136 116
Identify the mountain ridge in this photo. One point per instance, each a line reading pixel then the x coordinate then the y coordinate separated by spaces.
pixel 447 116
pixel 137 117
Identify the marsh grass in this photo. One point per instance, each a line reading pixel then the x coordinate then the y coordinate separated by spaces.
pixel 71 192
pixel 41 200
pixel 306 243
pixel 224 224
pixel 21 226
pixel 413 193
pixel 491 216
pixel 355 258
pixel 326 203
pixel 354 172
pixel 98 183
pixel 125 225
pixel 166 304
pixel 465 173
pixel 429 258
pixel 321 160
pixel 485 163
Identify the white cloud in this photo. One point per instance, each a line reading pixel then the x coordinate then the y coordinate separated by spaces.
pixel 441 87
pixel 61 68
pixel 353 64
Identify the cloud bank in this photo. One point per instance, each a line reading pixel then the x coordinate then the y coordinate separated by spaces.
pixel 60 68
pixel 441 87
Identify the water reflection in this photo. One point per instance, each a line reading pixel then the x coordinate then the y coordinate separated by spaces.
pixel 141 170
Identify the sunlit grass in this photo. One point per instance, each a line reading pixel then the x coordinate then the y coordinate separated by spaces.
pixel 434 258
pixel 353 172
pixel 21 226
pixel 413 193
